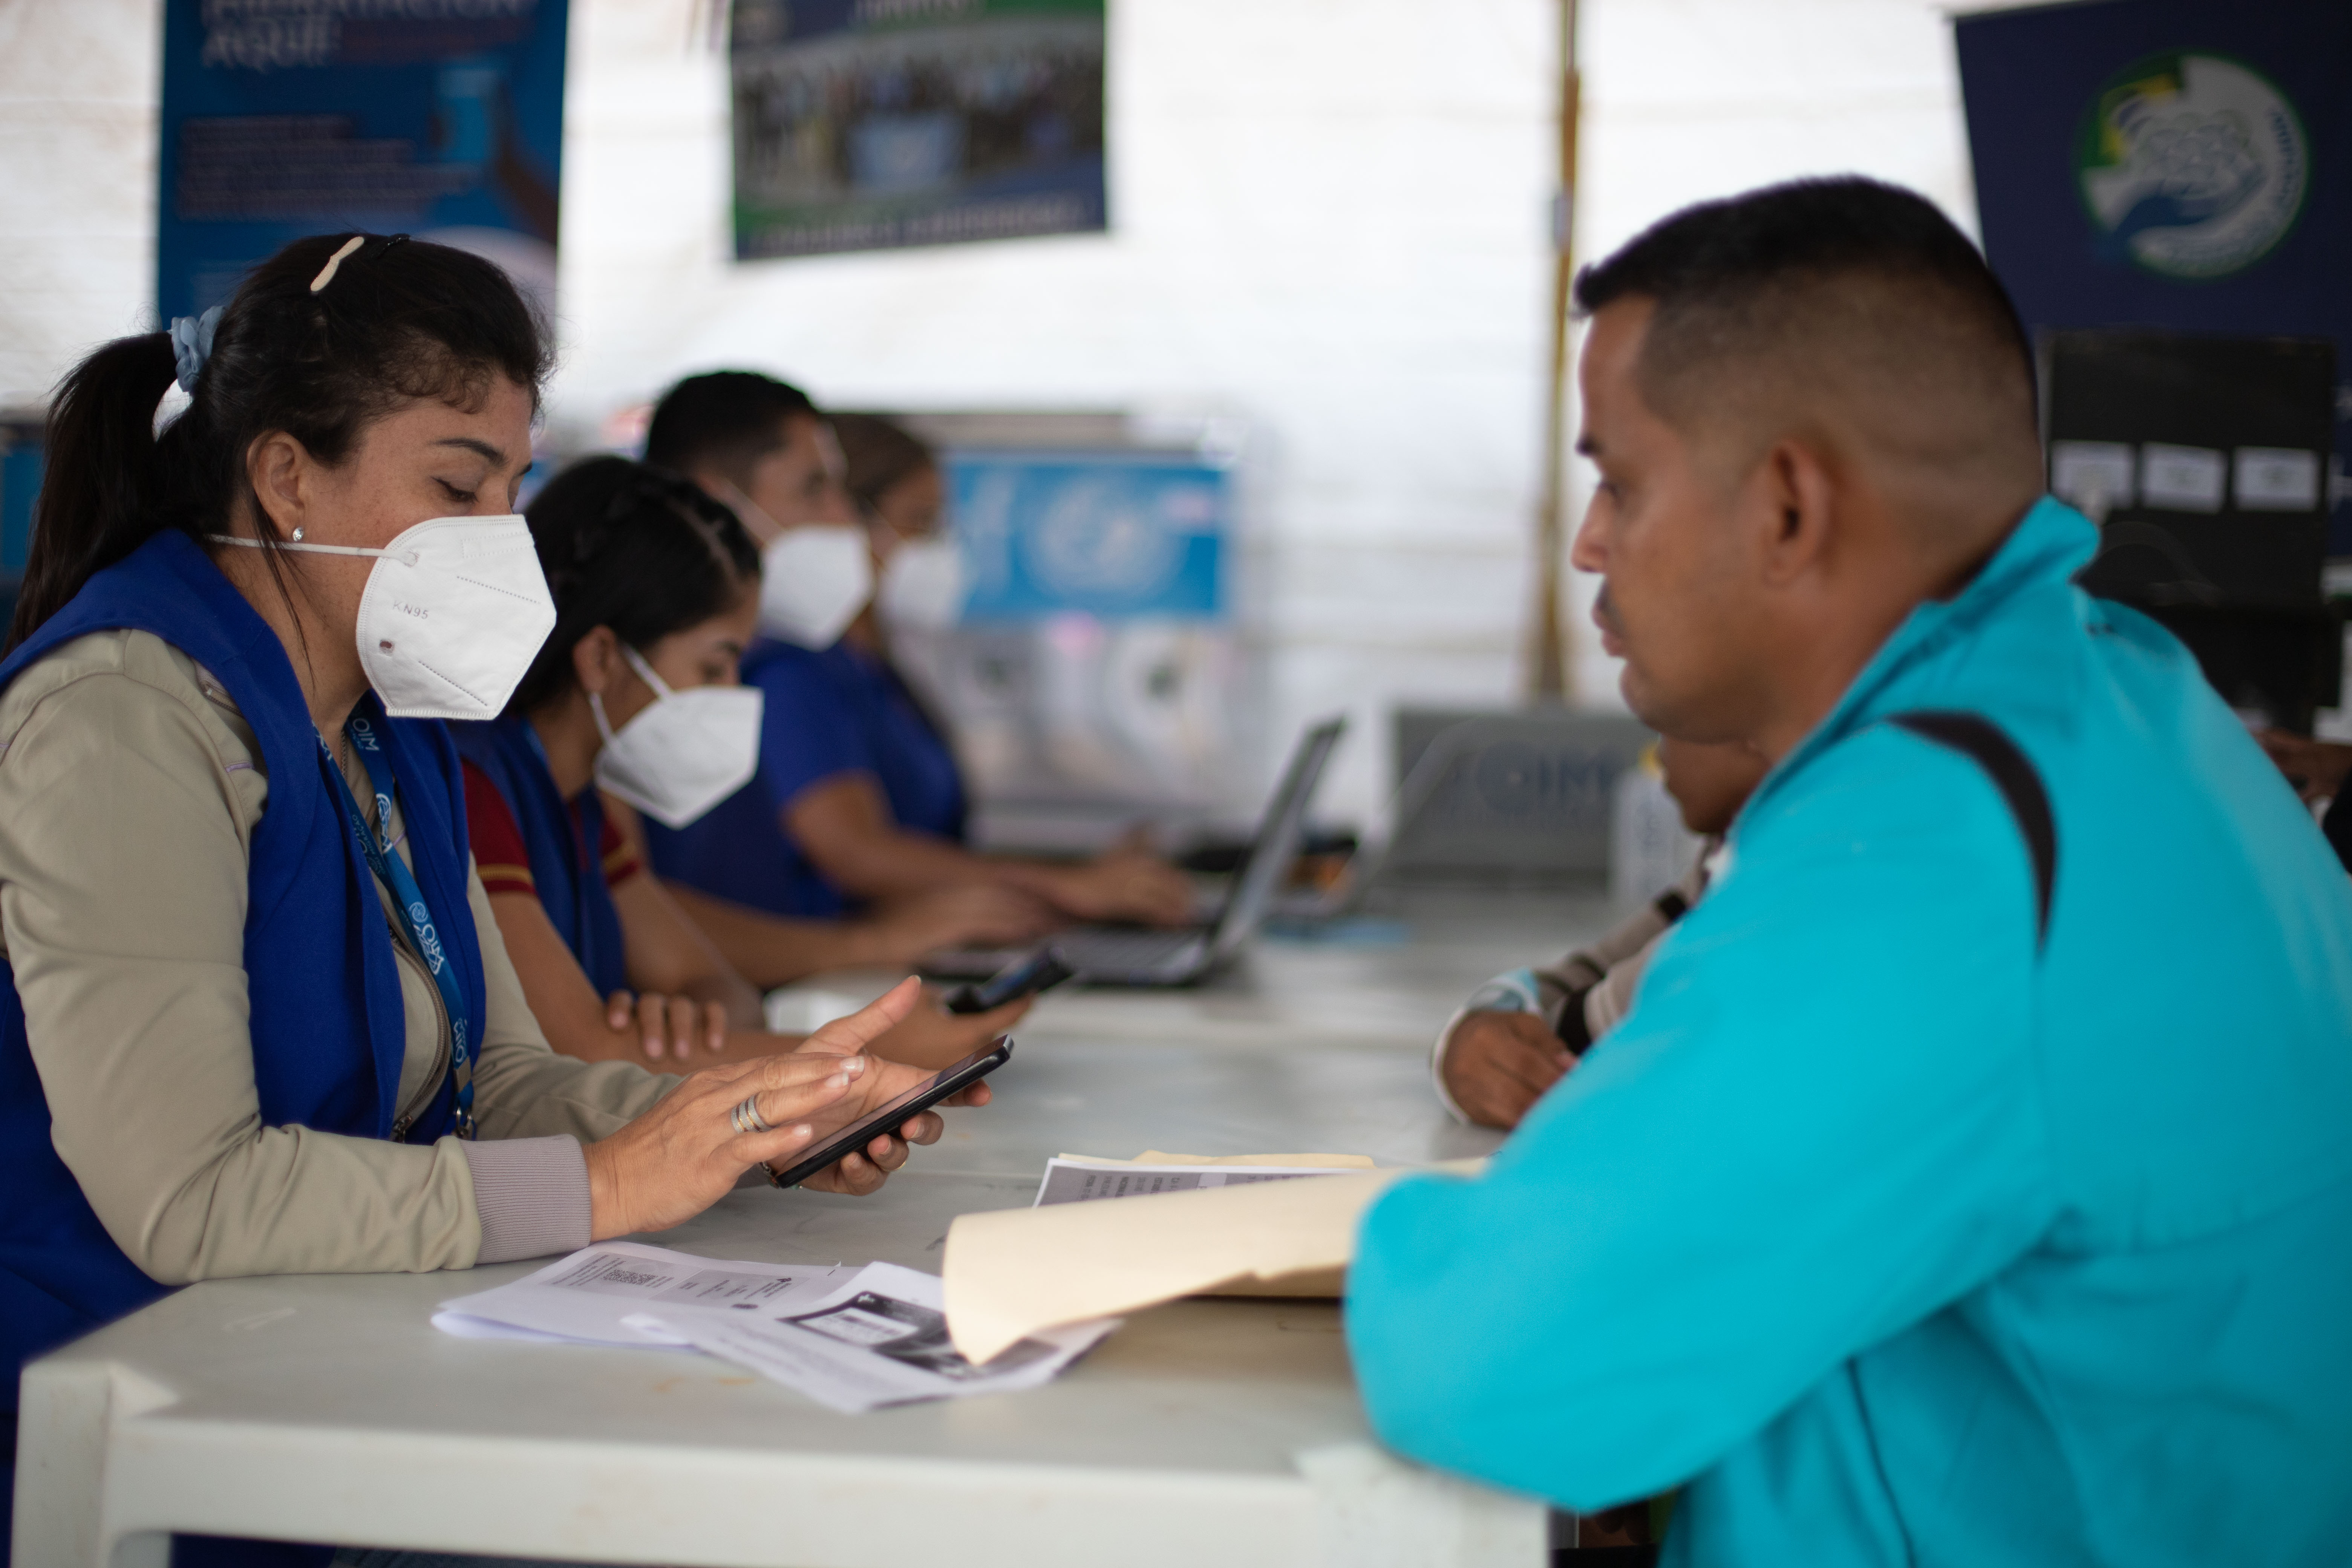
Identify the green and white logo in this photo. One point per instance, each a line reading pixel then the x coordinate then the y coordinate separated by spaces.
pixel 2192 165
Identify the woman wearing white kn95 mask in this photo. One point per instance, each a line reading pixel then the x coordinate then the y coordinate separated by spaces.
pixel 258 1016
pixel 633 708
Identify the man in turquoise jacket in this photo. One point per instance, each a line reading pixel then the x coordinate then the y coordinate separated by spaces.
pixel 1892 1224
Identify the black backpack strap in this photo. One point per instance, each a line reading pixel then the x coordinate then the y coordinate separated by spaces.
pixel 1988 746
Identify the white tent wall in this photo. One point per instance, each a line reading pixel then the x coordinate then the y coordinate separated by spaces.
pixel 1329 217
pixel 78 84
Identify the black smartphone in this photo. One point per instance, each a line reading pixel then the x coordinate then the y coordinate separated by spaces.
pixel 921 1098
pixel 1041 971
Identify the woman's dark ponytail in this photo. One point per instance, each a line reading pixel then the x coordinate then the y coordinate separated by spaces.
pixel 99 490
pixel 397 320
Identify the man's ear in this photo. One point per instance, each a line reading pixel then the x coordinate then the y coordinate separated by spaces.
pixel 280 469
pixel 596 660
pixel 1801 499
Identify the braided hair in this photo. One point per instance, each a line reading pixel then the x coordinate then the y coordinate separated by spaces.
pixel 632 548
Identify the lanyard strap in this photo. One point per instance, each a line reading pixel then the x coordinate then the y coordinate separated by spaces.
pixel 416 917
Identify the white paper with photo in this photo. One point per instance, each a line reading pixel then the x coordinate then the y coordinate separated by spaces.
pixel 1078 1181
pixel 611 1293
pixel 880 1338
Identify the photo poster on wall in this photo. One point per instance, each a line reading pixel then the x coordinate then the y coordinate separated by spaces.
pixel 442 120
pixel 881 125
pixel 2170 163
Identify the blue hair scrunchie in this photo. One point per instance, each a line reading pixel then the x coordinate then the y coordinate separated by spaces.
pixel 192 344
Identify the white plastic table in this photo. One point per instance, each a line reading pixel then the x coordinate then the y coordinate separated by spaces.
pixel 327 1409
pixel 1386 981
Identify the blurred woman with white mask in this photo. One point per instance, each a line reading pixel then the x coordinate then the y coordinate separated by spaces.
pixel 634 707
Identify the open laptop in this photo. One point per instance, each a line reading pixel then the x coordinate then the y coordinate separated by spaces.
pixel 1127 955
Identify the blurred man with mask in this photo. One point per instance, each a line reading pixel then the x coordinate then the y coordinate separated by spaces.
pixel 858 803
pixel 1970 1180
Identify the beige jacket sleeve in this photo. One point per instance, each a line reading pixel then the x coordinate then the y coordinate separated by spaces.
pixel 127 802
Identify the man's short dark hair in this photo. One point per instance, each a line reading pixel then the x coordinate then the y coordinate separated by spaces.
pixel 726 421
pixel 1772 272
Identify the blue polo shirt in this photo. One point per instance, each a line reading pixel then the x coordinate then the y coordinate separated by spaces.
pixel 841 711
pixel 1902 1240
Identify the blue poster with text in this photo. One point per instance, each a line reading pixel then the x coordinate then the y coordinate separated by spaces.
pixel 439 118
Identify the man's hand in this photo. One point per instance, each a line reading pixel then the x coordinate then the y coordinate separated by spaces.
pixel 1498 1064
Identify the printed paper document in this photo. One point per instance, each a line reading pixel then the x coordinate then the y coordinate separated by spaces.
pixel 605 1295
pixel 879 1339
pixel 1078 1181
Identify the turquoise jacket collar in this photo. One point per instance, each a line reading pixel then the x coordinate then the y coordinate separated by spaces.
pixel 2049 546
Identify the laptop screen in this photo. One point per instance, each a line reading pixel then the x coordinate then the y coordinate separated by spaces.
pixel 1277 840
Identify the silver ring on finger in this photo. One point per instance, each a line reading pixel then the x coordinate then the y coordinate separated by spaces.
pixel 746 1117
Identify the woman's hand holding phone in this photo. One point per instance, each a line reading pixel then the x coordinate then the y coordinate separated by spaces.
pixel 685 1153
pixel 922 1039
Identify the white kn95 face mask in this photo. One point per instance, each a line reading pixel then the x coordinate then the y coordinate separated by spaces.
pixel 814 577
pixel 923 585
pixel 685 751
pixel 812 582
pixel 454 612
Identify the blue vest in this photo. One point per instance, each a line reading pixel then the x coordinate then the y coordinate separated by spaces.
pixel 566 850
pixel 329 1029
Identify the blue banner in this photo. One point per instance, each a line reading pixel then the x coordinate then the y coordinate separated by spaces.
pixel 440 119
pixel 1111 537
pixel 2172 164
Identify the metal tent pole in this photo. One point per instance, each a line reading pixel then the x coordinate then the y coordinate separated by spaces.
pixel 1551 657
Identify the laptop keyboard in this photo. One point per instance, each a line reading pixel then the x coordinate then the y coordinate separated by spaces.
pixel 1122 949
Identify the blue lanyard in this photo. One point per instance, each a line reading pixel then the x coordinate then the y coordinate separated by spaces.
pixel 409 900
